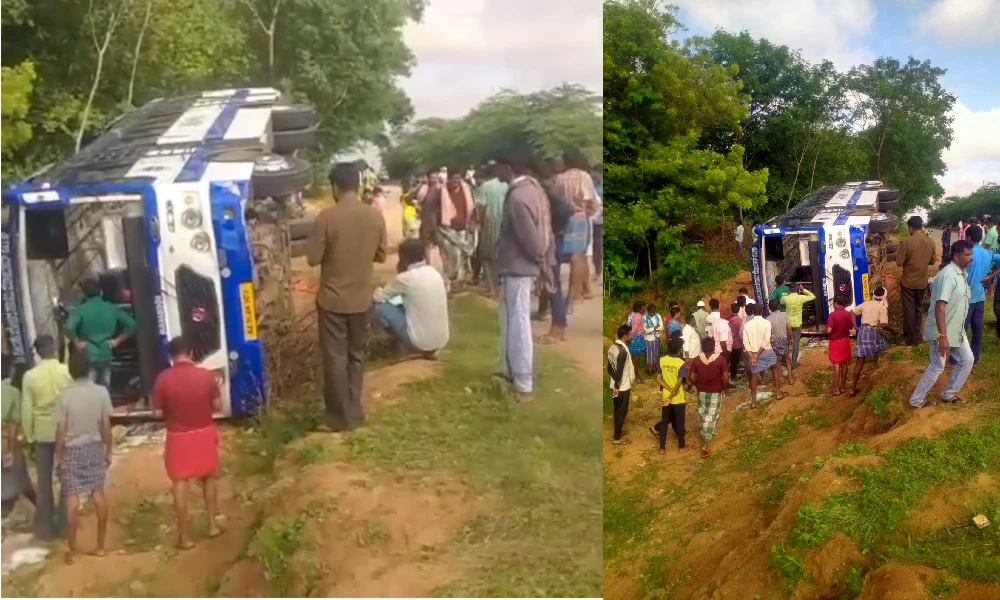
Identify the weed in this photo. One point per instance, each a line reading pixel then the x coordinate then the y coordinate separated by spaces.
pixel 920 352
pixel 260 444
pixel 754 449
pixel 654 576
pixel 788 564
pixel 312 453
pixel 853 449
pixel 853 582
pixel 275 544
pixel 816 419
pixel 881 398
pixel 816 384
pixel 143 522
pixel 896 355
pixel 774 492
pixel 942 586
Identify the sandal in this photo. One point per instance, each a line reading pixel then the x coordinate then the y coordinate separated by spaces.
pixel 954 400
pixel 925 404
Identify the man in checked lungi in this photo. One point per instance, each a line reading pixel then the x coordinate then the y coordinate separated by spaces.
pixel 874 317
pixel 710 376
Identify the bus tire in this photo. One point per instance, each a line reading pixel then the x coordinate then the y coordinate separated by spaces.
pixel 287 142
pixel 290 117
pixel 887 205
pixel 887 195
pixel 883 223
pixel 278 176
pixel 299 248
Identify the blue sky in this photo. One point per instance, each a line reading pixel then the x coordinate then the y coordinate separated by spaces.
pixel 962 36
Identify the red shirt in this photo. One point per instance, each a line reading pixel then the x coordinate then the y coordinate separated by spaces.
pixel 736 326
pixel 840 322
pixel 185 393
pixel 709 377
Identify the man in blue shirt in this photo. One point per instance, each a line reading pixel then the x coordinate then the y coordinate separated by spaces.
pixel 982 263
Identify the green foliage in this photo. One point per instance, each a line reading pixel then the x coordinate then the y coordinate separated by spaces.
pixel 890 491
pixel 661 109
pixel 985 200
pixel 789 564
pixel 549 122
pixel 880 399
pixel 274 546
pixel 853 583
pixel 758 446
pixel 346 58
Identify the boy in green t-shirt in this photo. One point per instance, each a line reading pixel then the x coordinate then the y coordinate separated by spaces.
pixel 670 375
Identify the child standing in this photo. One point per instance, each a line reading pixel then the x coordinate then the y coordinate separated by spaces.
pixel 674 324
pixel 636 320
pixel 670 375
pixel 652 329
pixel 838 326
pixel 622 373
pixel 736 328
pixel 874 316
pixel 83 448
pixel 781 335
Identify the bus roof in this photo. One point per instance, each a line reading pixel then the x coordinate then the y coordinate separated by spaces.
pixel 830 204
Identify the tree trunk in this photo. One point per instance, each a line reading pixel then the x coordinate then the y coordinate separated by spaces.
pixel 93 92
pixel 878 156
pixel 798 166
pixel 649 261
pixel 138 49
pixel 812 177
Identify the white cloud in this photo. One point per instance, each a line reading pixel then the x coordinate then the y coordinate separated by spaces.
pixel 974 156
pixel 821 29
pixel 962 21
pixel 468 50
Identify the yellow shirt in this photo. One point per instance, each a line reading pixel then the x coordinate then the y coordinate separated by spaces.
pixel 672 369
pixel 41 386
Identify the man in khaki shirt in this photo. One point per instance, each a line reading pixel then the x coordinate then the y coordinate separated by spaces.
pixel 915 255
pixel 347 239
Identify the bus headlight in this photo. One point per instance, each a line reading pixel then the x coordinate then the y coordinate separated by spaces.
pixel 191 218
pixel 201 242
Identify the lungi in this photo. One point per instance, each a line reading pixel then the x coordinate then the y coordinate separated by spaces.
pixel 191 454
pixel 840 351
pixel 84 468
pixel 765 360
pixel 637 345
pixel 709 407
pixel 870 342
pixel 652 354
pixel 780 347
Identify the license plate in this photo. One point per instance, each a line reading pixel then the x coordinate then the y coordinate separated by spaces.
pixel 866 293
pixel 249 305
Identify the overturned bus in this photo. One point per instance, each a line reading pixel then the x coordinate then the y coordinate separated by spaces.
pixel 833 242
pixel 179 210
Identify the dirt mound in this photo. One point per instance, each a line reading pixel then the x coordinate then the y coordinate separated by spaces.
pixel 944 505
pixel 895 581
pixel 334 531
pixel 826 569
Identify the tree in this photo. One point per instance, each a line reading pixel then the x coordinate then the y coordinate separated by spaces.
pixel 903 115
pixel 671 123
pixel 549 121
pixel 18 84
pixel 984 201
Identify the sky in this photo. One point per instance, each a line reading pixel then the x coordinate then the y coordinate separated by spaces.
pixel 468 50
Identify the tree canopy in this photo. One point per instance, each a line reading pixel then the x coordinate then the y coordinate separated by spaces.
pixel 984 201
pixel 700 132
pixel 69 66
pixel 549 122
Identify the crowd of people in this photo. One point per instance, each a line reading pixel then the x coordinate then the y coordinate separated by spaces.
pixel 703 352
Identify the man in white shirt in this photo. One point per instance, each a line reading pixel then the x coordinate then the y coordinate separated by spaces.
pixel 413 307
pixel 758 351
pixel 713 316
pixel 622 372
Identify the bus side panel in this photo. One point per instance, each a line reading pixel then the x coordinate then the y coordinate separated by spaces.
pixel 246 363
pixel 757 272
pixel 862 284
pixel 817 263
pixel 15 336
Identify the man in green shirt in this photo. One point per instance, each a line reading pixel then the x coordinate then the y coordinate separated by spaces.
pixel 780 290
pixel 793 301
pixel 39 392
pixel 945 329
pixel 990 240
pixel 98 326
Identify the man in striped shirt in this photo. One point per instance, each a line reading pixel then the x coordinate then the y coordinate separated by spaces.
pixel 622 373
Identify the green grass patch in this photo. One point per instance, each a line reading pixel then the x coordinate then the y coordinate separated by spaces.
pixel 816 383
pixel 816 419
pixel 274 546
pixel 143 522
pixel 789 564
pixel 942 586
pixel 654 576
pixel 264 437
pixel 852 583
pixel 890 491
pixel 758 446
pixel 896 355
pixel 920 353
pixel 774 491
pixel 312 453
pixel 541 458
pixel 880 399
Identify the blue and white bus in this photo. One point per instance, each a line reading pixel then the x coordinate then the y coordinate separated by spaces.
pixel 834 242
pixel 161 210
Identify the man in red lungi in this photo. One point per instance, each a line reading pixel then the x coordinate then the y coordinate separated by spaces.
pixel 186 396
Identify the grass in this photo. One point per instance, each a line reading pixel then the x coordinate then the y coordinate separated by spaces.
pixel 816 383
pixel 853 582
pixel 942 586
pixel 774 491
pixel 758 446
pixel 880 398
pixel 542 459
pixel 143 522
pixel 312 453
pixel 889 493
pixel 274 546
